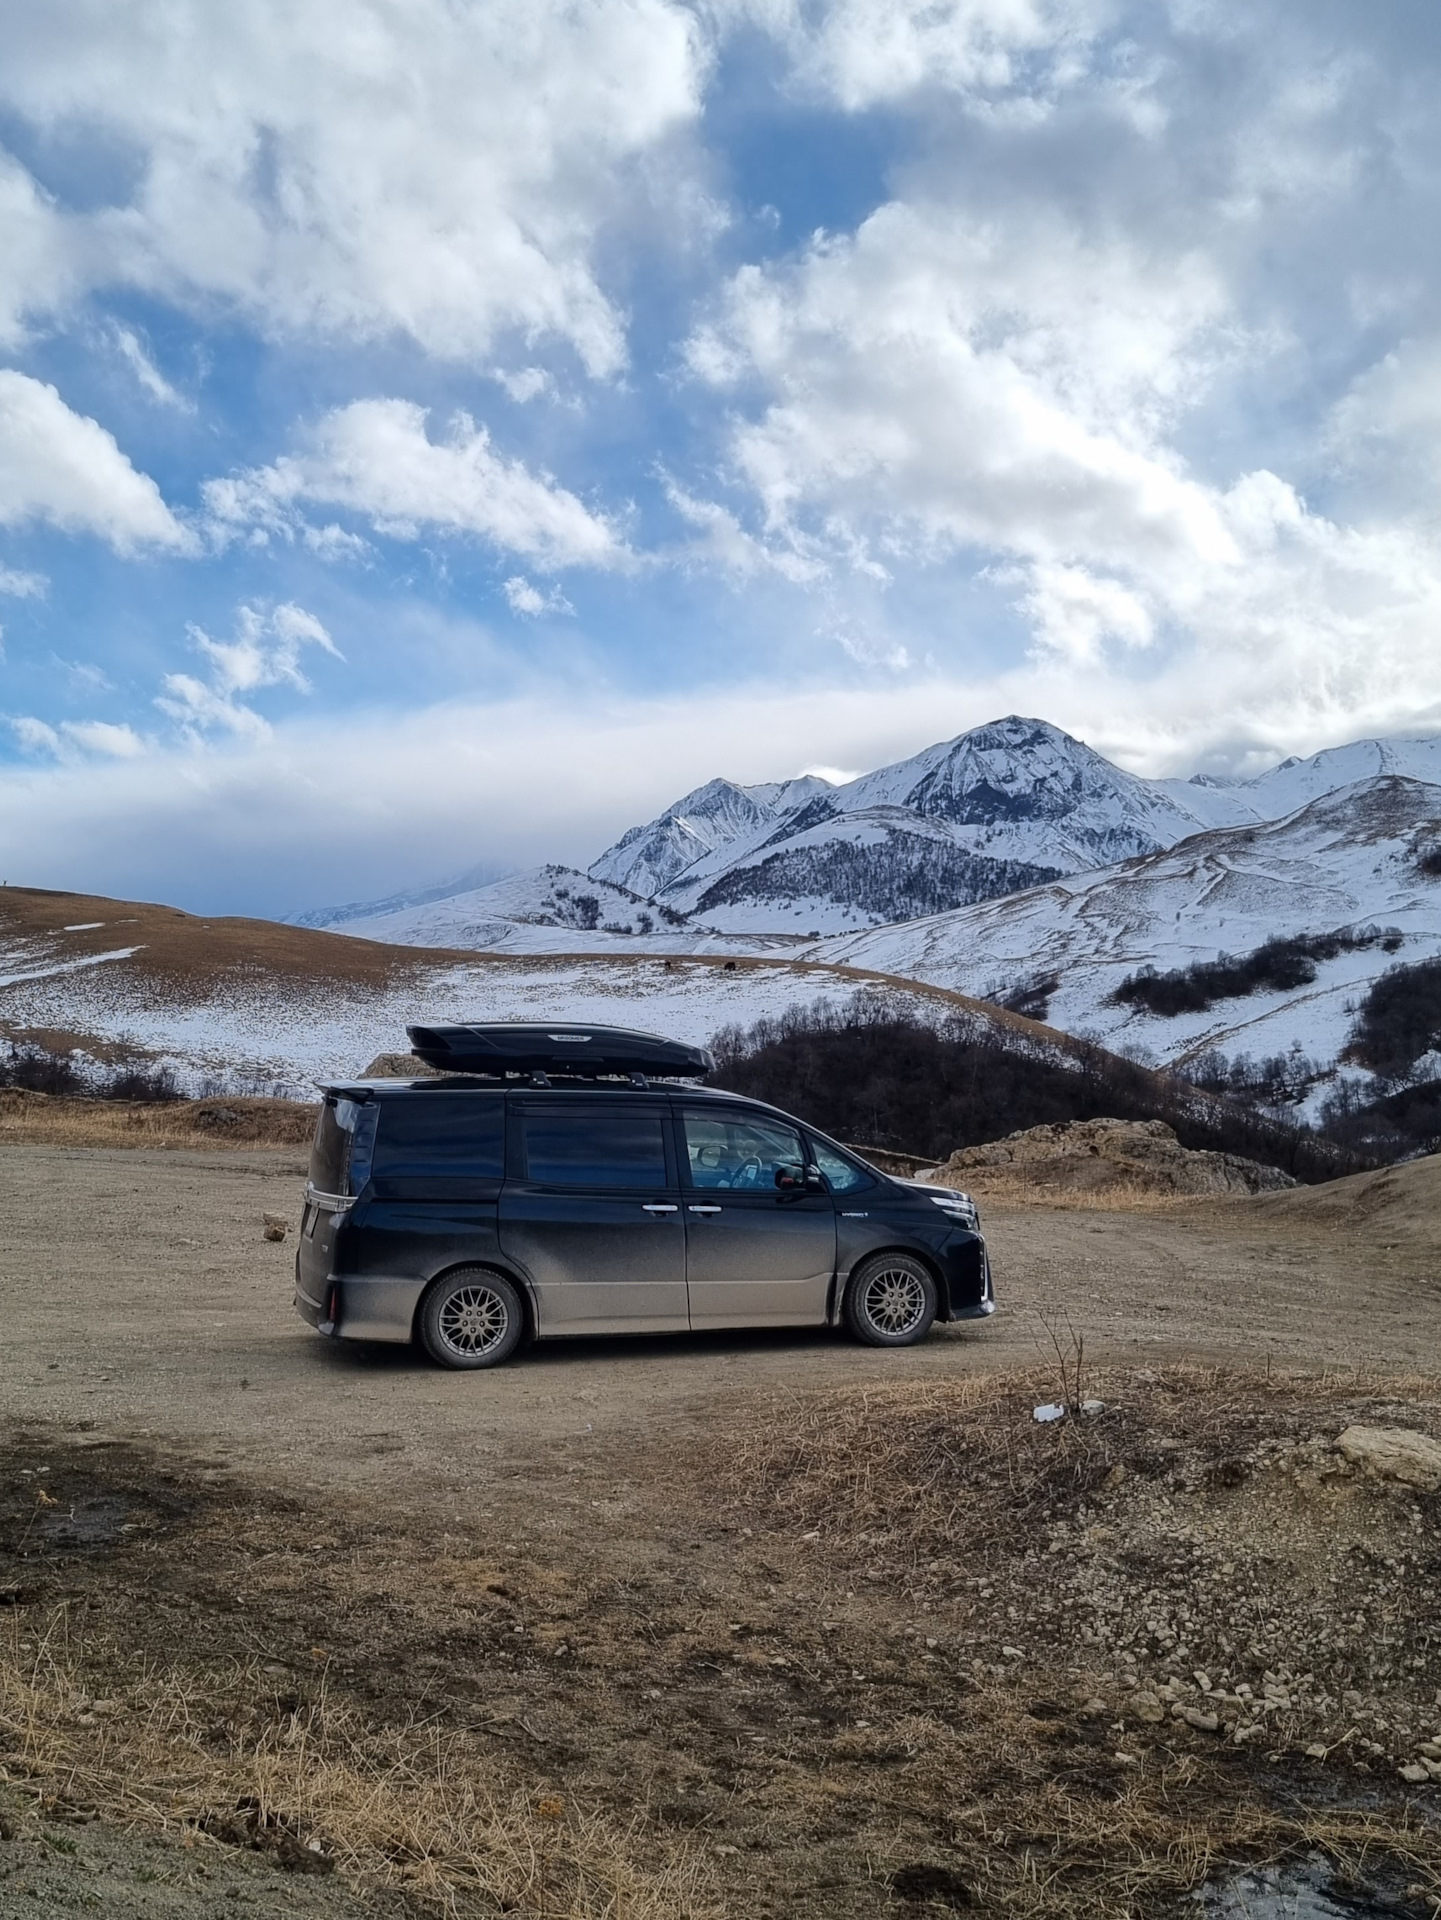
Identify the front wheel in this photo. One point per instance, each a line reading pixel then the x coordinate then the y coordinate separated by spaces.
pixel 891 1300
pixel 471 1319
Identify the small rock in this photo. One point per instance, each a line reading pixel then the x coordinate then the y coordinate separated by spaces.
pixel 1202 1722
pixel 1049 1412
pixel 276 1226
pixel 1316 1752
pixel 1415 1773
pixel 1245 1736
pixel 1145 1707
pixel 1012 1653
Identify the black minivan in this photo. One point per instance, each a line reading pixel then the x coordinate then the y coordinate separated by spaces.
pixel 554 1183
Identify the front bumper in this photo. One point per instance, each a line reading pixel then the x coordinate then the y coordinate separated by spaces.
pixel 967 1268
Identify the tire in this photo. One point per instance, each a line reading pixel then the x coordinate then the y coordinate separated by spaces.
pixel 891 1300
pixel 473 1318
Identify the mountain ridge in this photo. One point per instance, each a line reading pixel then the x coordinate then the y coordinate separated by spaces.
pixel 1003 807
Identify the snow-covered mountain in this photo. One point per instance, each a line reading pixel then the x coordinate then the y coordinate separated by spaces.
pixel 1281 790
pixel 551 910
pixel 1352 862
pixel 1005 807
pixel 335 918
pixel 647 859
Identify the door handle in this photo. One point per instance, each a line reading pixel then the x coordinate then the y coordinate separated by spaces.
pixel 652 1207
pixel 703 1209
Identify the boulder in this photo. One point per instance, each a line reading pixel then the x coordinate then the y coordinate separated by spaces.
pixel 1394 1453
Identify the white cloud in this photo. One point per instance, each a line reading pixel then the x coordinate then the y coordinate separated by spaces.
pixel 61 468
pixel 864 52
pixel 362 169
pixel 84 674
pixel 375 458
pixel 528 599
pixel 133 352
pixel 21 585
pixel 526 384
pixel 265 653
pixel 37 272
pixel 103 739
pixel 939 389
pixel 1074 612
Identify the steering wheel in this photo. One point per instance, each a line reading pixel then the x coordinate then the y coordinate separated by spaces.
pixel 748 1174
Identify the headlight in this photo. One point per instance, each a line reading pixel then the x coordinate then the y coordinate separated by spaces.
pixel 959 1205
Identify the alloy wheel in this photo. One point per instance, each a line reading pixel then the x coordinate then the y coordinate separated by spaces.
pixel 473 1321
pixel 894 1301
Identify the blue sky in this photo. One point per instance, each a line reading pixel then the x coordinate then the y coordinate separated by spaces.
pixel 435 436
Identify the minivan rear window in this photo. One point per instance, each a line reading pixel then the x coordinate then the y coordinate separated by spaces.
pixel 602 1147
pixel 455 1135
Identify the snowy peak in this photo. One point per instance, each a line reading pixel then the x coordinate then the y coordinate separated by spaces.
pixel 649 858
pixel 1020 774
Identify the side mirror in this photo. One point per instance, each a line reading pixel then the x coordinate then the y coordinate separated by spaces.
pixel 791 1179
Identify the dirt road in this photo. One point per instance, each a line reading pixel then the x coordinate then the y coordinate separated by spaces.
pixel 137 1292
pixel 606 1627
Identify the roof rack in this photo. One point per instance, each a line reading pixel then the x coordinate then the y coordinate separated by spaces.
pixel 586 1051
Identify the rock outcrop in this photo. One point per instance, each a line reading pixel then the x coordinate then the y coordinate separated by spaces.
pixel 1092 1156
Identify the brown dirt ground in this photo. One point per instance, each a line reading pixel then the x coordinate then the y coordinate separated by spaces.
pixel 646 1627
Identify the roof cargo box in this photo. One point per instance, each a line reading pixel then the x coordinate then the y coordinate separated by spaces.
pixel 514 1048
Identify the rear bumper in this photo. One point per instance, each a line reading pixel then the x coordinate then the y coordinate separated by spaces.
pixel 362 1309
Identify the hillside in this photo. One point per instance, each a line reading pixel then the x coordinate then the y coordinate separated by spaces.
pixel 258 1007
pixel 1353 862
pixel 553 910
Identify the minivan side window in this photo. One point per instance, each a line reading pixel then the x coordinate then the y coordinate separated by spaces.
pixel 594 1147
pixel 842 1174
pixel 738 1153
pixel 456 1135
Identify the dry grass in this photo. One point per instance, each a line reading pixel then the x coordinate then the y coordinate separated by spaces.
pixel 1117 1196
pixel 222 1752
pixel 60 1120
pixel 768 1674
pixel 1199 1523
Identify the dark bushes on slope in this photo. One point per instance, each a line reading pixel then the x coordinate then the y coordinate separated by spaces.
pixel 1399 1020
pixel 1276 966
pixel 900 880
pixel 35 1069
pixel 872 1075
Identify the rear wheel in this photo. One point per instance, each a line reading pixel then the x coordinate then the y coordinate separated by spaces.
pixel 891 1300
pixel 472 1318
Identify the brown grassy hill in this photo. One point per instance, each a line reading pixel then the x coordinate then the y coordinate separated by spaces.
pixel 1394 1207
